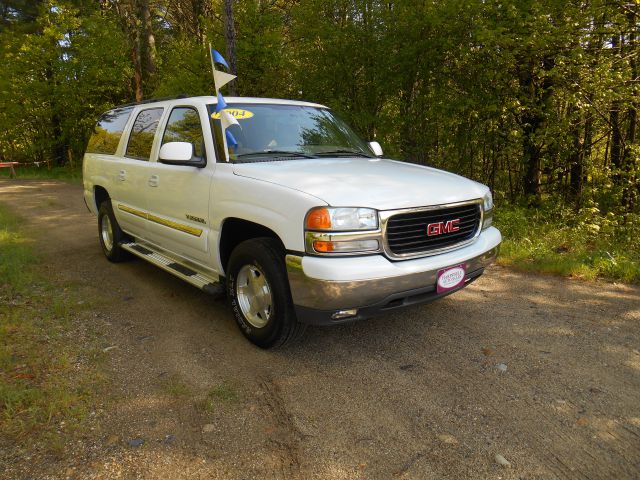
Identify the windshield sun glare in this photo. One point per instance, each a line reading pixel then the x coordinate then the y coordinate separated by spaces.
pixel 266 131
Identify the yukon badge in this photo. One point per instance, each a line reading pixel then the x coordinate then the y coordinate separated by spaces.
pixel 195 219
pixel 439 228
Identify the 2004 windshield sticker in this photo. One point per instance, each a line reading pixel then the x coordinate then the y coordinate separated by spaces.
pixel 237 113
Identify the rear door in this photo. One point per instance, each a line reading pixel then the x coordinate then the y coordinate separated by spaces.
pixel 178 195
pixel 134 170
pixel 103 157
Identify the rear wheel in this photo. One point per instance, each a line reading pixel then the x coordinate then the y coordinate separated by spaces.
pixel 258 290
pixel 110 234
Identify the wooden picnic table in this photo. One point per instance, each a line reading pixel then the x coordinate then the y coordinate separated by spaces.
pixel 9 165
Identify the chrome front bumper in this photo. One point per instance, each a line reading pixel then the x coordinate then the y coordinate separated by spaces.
pixel 325 295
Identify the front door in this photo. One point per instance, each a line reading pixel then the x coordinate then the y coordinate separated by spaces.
pixel 178 195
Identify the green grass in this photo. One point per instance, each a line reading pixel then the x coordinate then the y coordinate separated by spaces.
pixel 218 395
pixel 66 173
pixel 47 361
pixel 16 255
pixel 175 387
pixel 584 244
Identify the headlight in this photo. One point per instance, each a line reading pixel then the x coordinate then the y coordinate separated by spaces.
pixel 341 219
pixel 488 201
pixel 487 206
pixel 344 230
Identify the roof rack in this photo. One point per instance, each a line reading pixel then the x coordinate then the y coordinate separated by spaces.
pixel 150 100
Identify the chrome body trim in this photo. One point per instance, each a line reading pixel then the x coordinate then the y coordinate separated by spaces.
pixel 385 215
pixel 488 218
pixel 311 236
pixel 157 258
pixel 339 295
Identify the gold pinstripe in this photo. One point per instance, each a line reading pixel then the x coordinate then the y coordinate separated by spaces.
pixel 133 211
pixel 196 232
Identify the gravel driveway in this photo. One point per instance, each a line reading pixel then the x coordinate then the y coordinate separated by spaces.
pixel 543 371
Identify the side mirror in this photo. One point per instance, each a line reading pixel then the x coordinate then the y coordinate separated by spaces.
pixel 375 148
pixel 179 153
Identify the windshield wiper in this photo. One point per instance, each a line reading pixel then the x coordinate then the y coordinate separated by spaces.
pixel 355 153
pixel 267 153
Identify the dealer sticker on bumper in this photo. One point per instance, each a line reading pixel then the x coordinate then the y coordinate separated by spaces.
pixel 450 278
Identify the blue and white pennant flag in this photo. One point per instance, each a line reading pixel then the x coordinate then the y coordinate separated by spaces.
pixel 220 79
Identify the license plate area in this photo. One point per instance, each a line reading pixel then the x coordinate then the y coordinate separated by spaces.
pixel 450 278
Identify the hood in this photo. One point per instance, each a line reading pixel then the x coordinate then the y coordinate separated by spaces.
pixel 361 182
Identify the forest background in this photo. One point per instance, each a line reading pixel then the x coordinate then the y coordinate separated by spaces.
pixel 537 99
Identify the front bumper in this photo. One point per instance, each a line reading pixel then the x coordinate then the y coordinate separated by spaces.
pixel 321 286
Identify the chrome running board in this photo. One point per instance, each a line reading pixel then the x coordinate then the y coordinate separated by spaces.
pixel 197 279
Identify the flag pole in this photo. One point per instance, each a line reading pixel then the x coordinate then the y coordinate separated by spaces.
pixel 224 134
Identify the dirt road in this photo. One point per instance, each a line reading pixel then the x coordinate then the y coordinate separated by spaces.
pixel 417 394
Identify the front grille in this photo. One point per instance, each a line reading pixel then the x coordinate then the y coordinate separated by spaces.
pixel 407 232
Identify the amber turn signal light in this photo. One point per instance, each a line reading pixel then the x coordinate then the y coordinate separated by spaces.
pixel 319 219
pixel 324 247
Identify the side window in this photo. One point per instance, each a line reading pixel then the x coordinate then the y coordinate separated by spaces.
pixel 184 126
pixel 142 133
pixel 107 133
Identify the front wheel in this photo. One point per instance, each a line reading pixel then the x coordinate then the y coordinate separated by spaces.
pixel 258 290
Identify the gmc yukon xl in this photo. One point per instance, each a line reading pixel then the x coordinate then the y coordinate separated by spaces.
pixel 299 220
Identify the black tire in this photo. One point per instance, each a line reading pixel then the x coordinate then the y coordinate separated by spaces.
pixel 282 326
pixel 114 253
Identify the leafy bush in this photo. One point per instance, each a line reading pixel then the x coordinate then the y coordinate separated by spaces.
pixel 585 243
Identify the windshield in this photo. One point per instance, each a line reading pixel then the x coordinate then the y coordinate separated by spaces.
pixel 288 132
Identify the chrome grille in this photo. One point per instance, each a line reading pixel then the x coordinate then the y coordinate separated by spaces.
pixel 406 233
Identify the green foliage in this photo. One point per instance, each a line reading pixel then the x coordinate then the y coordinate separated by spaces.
pixel 67 173
pixel 184 68
pixel 57 77
pixel 586 244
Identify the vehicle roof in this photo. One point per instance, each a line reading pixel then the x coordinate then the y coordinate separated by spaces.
pixel 214 100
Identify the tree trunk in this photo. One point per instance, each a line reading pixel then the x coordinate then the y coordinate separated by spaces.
pixel 137 70
pixel 581 152
pixel 615 149
pixel 531 155
pixel 150 40
pixel 575 170
pixel 629 192
pixel 539 93
pixel 127 13
pixel 530 152
pixel 230 37
pixel 58 146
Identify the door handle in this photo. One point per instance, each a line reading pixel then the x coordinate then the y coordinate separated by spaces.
pixel 154 180
pixel 122 175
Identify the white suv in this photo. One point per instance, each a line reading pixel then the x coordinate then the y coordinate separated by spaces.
pixel 297 217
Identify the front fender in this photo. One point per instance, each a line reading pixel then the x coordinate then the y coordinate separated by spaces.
pixel 278 208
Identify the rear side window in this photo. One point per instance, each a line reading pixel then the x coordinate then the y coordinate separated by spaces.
pixel 107 132
pixel 142 133
pixel 184 126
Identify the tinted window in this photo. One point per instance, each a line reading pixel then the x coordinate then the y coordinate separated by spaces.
pixel 184 126
pixel 107 133
pixel 142 133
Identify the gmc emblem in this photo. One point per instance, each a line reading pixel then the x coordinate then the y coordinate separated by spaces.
pixel 443 227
